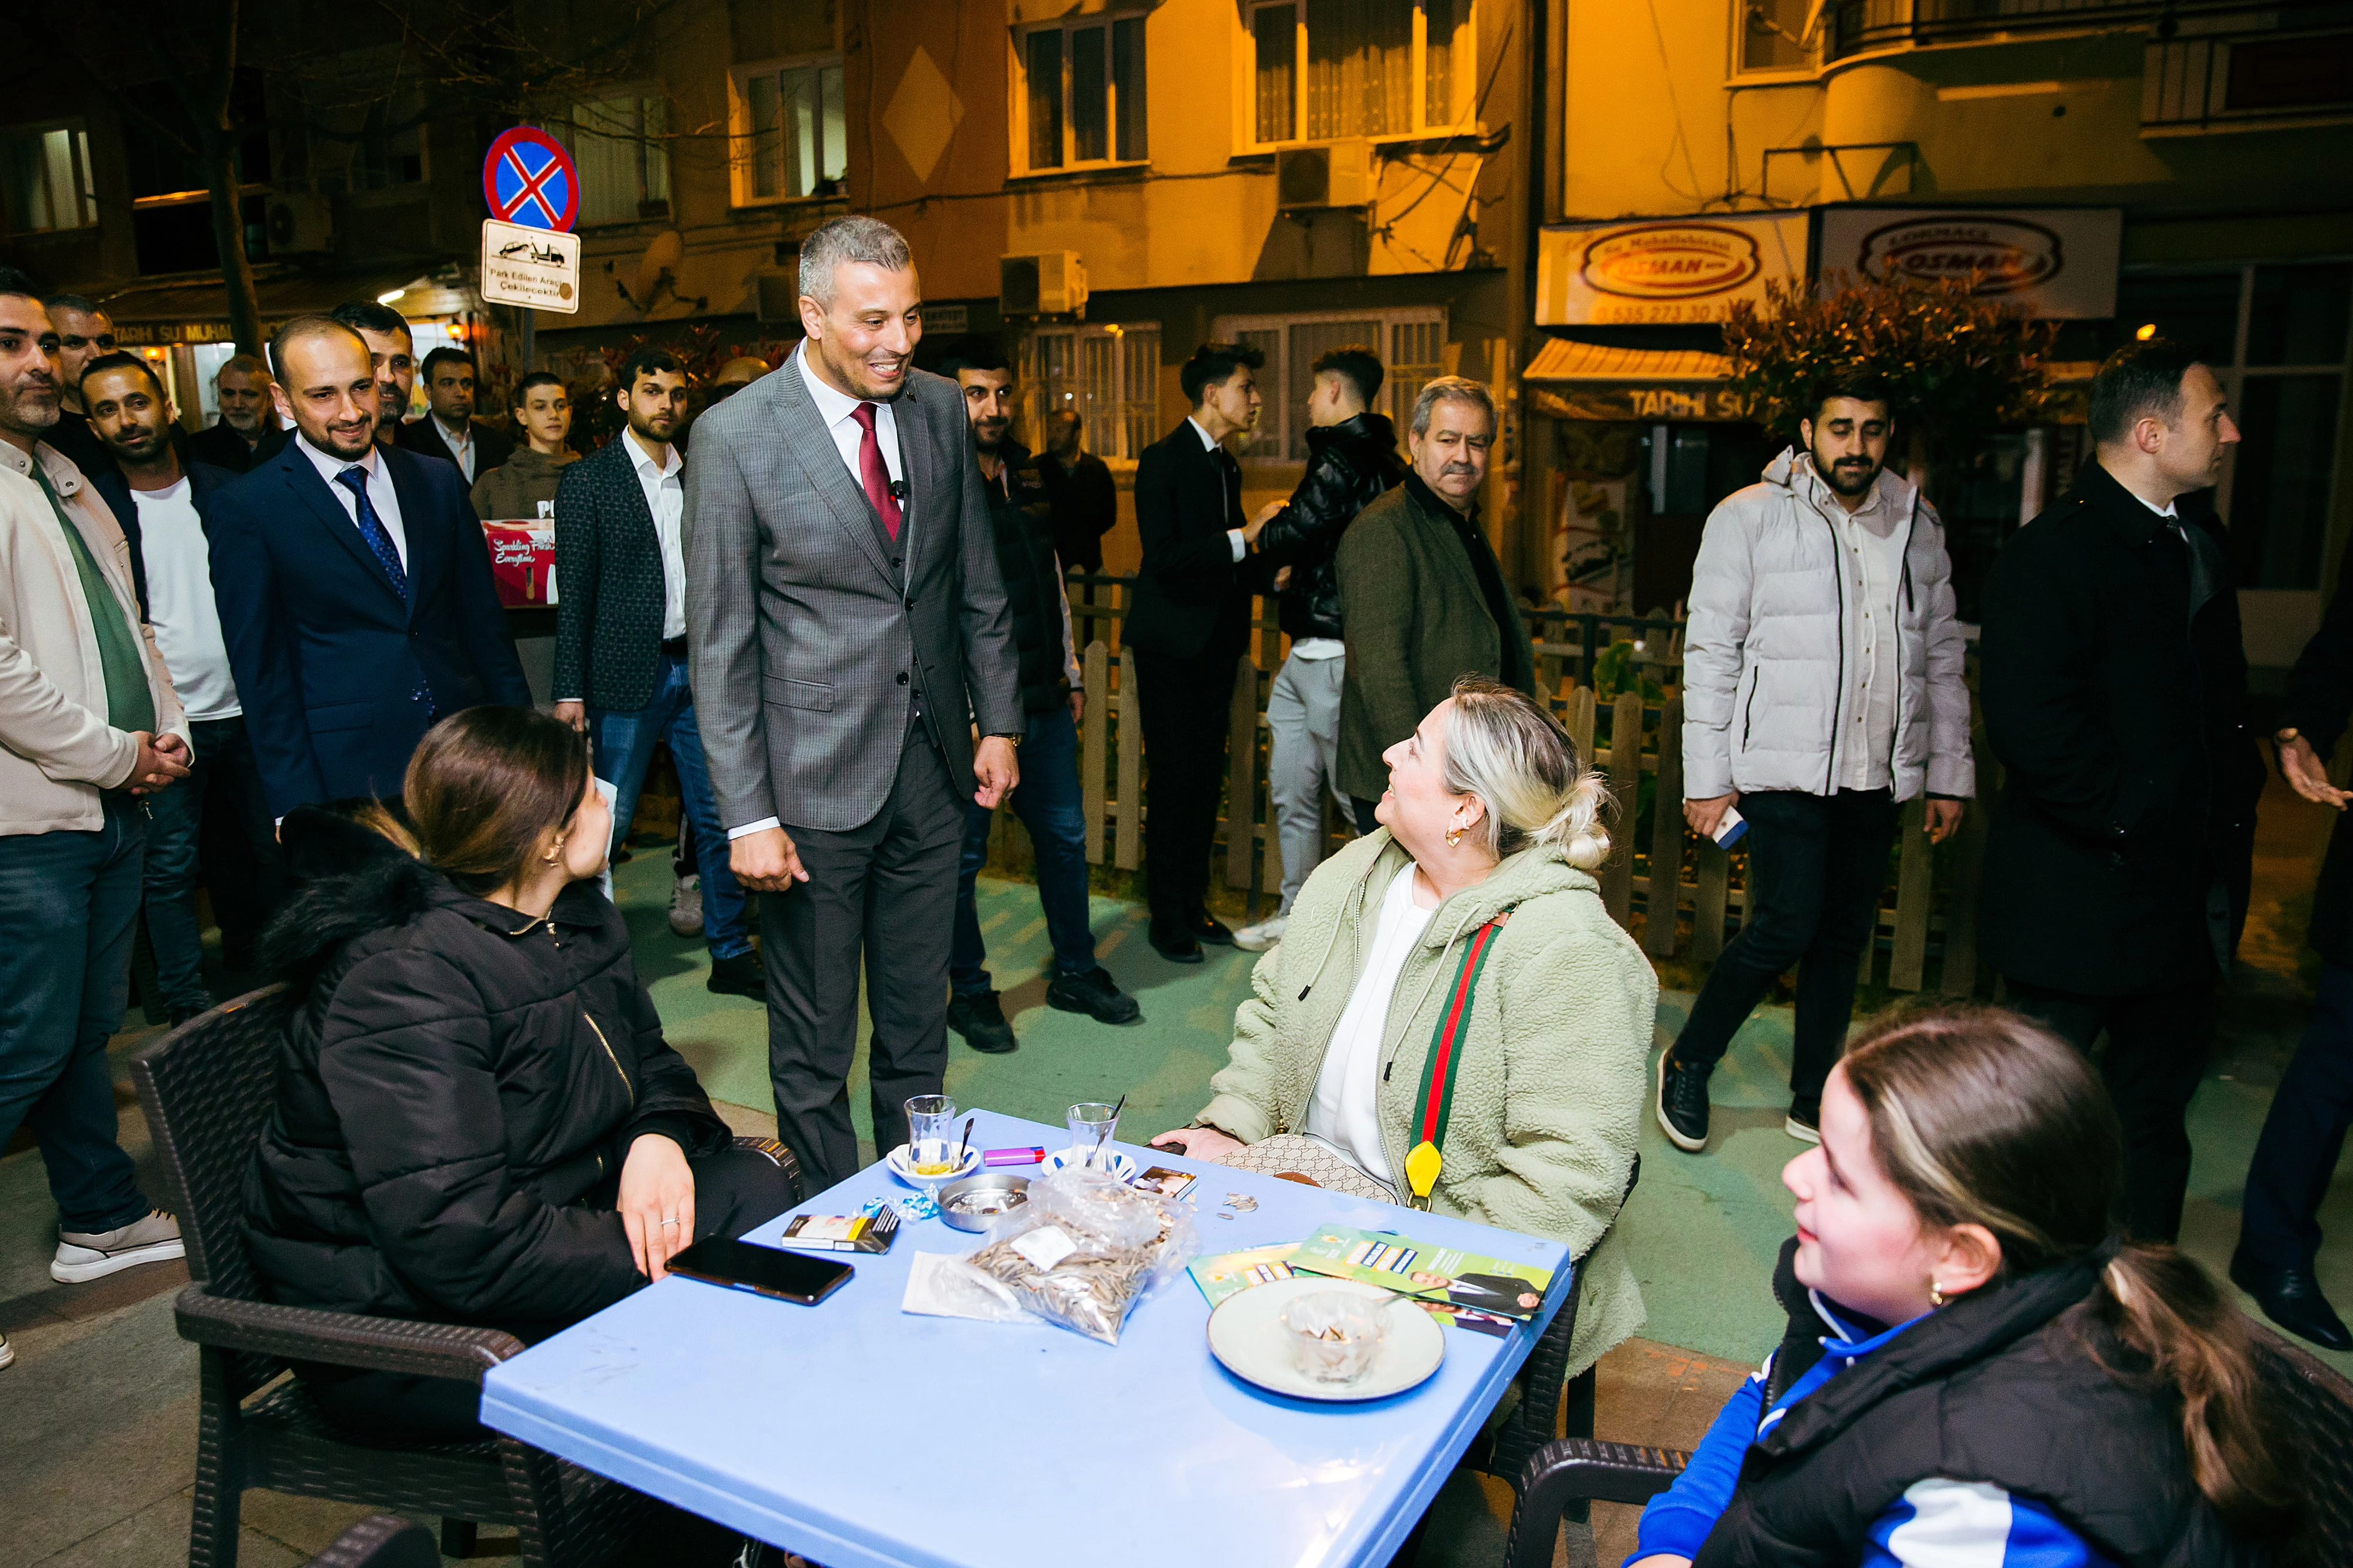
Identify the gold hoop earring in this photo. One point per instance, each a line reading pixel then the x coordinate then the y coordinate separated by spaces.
pixel 1935 1294
pixel 553 855
pixel 1454 837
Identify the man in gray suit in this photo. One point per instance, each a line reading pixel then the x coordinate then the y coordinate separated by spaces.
pixel 854 680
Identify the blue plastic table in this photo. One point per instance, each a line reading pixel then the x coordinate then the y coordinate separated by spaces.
pixel 862 1436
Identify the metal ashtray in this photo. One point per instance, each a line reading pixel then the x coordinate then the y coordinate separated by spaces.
pixel 978 1202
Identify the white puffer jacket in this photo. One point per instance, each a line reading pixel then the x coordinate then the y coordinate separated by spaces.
pixel 1773 630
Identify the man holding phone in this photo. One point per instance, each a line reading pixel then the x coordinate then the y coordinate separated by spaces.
pixel 1822 690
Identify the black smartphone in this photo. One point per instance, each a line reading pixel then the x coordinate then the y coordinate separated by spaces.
pixel 766 1270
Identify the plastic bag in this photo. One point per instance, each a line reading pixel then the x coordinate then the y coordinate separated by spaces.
pixel 1085 1248
pixel 942 1285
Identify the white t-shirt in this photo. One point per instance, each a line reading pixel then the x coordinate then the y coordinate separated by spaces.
pixel 180 601
pixel 1343 1112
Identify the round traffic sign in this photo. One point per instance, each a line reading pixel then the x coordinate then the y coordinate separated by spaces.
pixel 528 179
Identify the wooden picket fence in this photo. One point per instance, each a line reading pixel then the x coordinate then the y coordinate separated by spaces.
pixel 1931 913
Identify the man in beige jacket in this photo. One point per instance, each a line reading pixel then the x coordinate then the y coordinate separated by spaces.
pixel 88 723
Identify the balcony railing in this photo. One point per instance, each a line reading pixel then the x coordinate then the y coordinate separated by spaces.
pixel 2240 81
pixel 1858 26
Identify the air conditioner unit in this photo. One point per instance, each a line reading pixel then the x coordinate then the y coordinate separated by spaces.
pixel 778 297
pixel 1334 174
pixel 300 222
pixel 1049 283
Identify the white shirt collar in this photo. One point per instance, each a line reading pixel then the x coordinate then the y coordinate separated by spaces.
pixel 328 465
pixel 455 434
pixel 644 464
pixel 1208 443
pixel 832 407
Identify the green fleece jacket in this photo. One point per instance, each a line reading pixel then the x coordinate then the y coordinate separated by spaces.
pixel 1549 1094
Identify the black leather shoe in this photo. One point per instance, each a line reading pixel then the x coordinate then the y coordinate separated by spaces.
pixel 1683 1104
pixel 1215 933
pixel 981 1021
pixel 1176 946
pixel 2292 1298
pixel 738 976
pixel 1094 993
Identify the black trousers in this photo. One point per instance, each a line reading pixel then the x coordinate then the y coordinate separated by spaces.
pixel 880 896
pixel 2158 1043
pixel 2304 1134
pixel 736 1190
pixel 1817 865
pixel 1186 705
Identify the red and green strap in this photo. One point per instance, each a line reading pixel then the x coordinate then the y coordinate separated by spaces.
pixel 1436 1102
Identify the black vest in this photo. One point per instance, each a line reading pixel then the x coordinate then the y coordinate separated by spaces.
pixel 1023 523
pixel 2005 1385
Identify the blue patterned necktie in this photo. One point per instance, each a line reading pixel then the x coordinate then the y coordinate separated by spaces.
pixel 371 529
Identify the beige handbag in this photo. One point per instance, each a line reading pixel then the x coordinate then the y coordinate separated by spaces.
pixel 1296 1154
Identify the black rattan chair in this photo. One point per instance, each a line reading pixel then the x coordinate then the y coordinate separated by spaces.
pixel 2316 1402
pixel 205 1089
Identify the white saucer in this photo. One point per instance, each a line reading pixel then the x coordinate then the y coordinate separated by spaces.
pixel 1246 1333
pixel 1110 1160
pixel 897 1159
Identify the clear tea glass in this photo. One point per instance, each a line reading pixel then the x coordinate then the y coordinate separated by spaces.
pixel 1092 1125
pixel 1333 1335
pixel 931 1135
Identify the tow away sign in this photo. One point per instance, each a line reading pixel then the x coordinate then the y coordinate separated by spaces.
pixel 539 267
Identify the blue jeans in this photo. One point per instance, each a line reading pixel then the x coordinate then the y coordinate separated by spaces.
pixel 1051 806
pixel 69 902
pixel 625 746
pixel 222 761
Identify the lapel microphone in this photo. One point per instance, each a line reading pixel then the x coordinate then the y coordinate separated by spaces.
pixel 898 491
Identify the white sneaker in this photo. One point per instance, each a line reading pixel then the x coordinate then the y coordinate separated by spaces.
pixel 82 1256
pixel 1263 935
pixel 686 906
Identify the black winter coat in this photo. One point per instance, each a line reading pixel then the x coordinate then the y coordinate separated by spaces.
pixel 2010 1384
pixel 2121 717
pixel 457 1079
pixel 2318 705
pixel 1021 521
pixel 1350 465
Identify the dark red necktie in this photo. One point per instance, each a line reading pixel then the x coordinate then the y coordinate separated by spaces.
pixel 874 473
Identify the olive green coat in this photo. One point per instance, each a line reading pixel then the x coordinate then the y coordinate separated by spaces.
pixel 1549 1095
pixel 1415 620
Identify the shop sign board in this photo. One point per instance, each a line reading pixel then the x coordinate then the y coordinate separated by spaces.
pixel 535 267
pixel 1664 272
pixel 2057 263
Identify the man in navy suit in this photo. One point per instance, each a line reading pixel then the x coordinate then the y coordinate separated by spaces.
pixel 354 585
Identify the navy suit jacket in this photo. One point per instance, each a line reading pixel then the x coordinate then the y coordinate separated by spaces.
pixel 328 659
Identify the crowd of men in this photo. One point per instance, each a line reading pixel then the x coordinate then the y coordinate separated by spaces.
pixel 846 619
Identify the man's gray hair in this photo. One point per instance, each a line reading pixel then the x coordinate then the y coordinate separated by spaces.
pixel 1451 389
pixel 243 365
pixel 848 239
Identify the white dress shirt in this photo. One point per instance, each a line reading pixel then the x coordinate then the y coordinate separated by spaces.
pixel 1871 558
pixel 460 442
pixel 1345 1109
pixel 666 498
pixel 1208 444
pixel 379 491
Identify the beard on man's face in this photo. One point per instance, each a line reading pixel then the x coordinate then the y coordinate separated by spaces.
pixel 1850 476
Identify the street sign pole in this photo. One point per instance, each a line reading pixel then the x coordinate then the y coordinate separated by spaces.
pixel 529 184
pixel 530 351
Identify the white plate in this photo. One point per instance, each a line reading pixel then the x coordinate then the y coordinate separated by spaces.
pixel 1110 1160
pixel 1246 1333
pixel 897 1159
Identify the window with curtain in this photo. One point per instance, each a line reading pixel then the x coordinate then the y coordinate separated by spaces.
pixel 792 135
pixel 1410 343
pixel 1326 70
pixel 47 173
pixel 617 145
pixel 1109 375
pixel 1082 92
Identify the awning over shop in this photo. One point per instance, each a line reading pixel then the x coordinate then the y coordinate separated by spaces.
pixel 1588 381
pixel 196 311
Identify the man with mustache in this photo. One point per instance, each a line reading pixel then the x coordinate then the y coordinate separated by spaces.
pixel 1822 690
pixel 391 351
pixel 1422 598
pixel 247 431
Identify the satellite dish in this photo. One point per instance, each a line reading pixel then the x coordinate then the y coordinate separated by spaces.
pixel 660 265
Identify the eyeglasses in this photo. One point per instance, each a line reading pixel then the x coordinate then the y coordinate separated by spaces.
pixel 104 340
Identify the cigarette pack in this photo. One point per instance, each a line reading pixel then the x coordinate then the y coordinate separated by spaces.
pixel 842 1233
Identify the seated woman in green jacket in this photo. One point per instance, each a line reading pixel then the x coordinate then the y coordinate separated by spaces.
pixel 1490 828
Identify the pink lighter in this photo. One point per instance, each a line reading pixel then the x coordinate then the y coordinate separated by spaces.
pixel 1012 1156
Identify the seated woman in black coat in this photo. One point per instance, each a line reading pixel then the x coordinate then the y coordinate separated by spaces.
pixel 477 1119
pixel 1976 1370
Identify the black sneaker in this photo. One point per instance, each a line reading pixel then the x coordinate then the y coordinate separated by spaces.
pixel 1176 945
pixel 1683 1104
pixel 1094 993
pixel 981 1021
pixel 738 976
pixel 1804 1121
pixel 179 1012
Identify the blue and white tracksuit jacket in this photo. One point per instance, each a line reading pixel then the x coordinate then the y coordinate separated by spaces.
pixel 1937 1523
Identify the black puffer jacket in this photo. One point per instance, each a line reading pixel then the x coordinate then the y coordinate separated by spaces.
pixel 2010 1384
pixel 1350 465
pixel 456 1080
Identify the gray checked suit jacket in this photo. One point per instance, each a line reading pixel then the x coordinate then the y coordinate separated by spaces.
pixel 810 631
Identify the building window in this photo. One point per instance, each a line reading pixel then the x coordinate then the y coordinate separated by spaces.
pixel 1081 93
pixel 1324 69
pixel 47 173
pixel 1411 344
pixel 791 135
pixel 1109 375
pixel 1775 35
pixel 617 145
